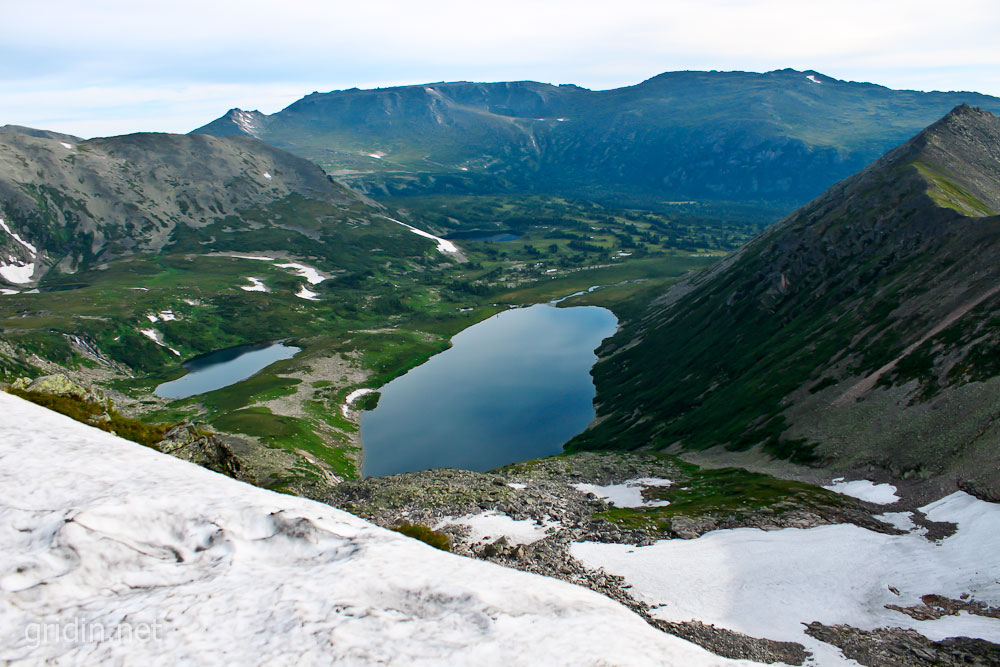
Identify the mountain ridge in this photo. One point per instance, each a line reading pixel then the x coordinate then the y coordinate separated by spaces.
pixel 890 270
pixel 781 136
pixel 81 202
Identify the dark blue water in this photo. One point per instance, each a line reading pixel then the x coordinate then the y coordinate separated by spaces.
pixel 488 236
pixel 223 368
pixel 514 387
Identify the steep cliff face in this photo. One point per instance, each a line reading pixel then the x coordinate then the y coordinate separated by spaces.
pixel 75 203
pixel 861 330
pixel 783 136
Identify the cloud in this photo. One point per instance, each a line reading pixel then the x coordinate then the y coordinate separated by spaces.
pixel 181 59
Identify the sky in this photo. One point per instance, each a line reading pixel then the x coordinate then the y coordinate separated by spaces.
pixel 106 67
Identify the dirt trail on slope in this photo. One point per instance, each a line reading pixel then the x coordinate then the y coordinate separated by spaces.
pixel 867 384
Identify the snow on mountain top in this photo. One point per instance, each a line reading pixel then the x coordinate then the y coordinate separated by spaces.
pixel 112 552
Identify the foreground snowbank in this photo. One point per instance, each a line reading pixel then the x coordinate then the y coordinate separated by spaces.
pixel 113 552
pixel 767 584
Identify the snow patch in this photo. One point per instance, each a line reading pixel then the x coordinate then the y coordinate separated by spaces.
pixel 812 78
pixel 490 526
pixel 27 246
pixel 17 273
pixel 377 156
pixel 517 486
pixel 8 292
pixel 256 285
pixel 900 520
pixel 627 494
pixel 65 145
pixel 311 275
pixel 97 530
pixel 353 396
pixel 168 316
pixel 305 293
pixel 259 258
pixel 152 318
pixel 862 489
pixel 442 244
pixel 267 175
pixel 767 584
pixel 157 337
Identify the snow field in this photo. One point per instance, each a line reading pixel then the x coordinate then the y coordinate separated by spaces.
pixel 100 531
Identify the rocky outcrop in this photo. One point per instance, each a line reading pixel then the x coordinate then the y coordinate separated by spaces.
pixel 187 442
pixel 896 647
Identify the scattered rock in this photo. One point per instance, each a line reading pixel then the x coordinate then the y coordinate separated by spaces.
pixel 896 647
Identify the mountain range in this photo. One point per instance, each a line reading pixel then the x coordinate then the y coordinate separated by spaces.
pixel 780 137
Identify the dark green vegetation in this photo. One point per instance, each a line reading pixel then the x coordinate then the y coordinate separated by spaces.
pixel 424 534
pixel 781 345
pixel 102 416
pixel 774 139
pixel 731 493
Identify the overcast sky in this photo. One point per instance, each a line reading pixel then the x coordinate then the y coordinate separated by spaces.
pixel 106 67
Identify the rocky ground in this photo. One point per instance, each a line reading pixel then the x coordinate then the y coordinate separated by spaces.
pixel 541 494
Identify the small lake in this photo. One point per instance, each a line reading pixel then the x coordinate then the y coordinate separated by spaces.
pixel 488 236
pixel 220 369
pixel 514 387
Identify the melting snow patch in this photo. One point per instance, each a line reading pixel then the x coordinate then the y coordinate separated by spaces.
pixel 267 176
pixel 628 494
pixel 152 318
pixel 311 275
pixel 353 396
pixel 900 520
pixel 442 244
pixel 17 273
pixel 157 338
pixel 65 145
pixel 168 316
pixel 257 257
pixel 304 293
pixel 256 285
pixel 862 489
pixel 767 584
pixel 8 292
pixel 517 486
pixel 376 156
pixel 489 526
pixel 27 246
pixel 813 78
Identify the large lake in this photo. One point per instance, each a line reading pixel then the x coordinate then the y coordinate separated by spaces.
pixel 220 369
pixel 514 387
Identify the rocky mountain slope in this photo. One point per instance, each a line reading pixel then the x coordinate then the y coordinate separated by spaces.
pixel 115 553
pixel 858 333
pixel 783 136
pixel 73 204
